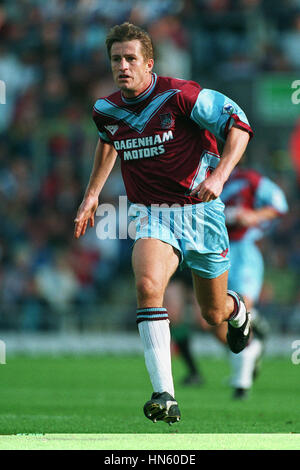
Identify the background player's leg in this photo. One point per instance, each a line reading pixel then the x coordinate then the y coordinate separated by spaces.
pixel 176 300
pixel 154 262
pixel 244 366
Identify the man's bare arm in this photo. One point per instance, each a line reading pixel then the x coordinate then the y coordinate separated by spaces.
pixel 104 160
pixel 234 148
pixel 246 217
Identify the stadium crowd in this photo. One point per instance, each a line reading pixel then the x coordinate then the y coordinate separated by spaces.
pixel 54 65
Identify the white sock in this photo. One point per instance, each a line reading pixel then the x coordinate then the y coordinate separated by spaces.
pixel 240 317
pixel 243 364
pixel 156 339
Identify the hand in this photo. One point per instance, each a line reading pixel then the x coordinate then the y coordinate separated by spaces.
pixel 85 214
pixel 209 189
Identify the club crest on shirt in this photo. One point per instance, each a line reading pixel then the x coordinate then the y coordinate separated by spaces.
pixel 112 129
pixel 166 120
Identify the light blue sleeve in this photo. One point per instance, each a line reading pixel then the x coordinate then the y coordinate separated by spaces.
pixel 213 110
pixel 269 193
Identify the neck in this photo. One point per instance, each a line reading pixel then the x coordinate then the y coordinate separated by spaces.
pixel 134 93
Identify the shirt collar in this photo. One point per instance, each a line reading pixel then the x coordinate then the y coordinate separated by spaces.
pixel 144 95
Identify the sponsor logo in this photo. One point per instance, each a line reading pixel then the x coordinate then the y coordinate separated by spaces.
pixel 228 109
pixel 143 147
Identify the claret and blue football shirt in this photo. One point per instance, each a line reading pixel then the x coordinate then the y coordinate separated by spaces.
pixel 248 189
pixel 167 137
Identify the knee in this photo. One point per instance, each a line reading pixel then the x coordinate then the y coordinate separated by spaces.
pixel 147 288
pixel 214 316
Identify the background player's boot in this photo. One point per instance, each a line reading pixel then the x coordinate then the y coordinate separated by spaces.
pixel 240 393
pixel 238 338
pixel 193 378
pixel 162 407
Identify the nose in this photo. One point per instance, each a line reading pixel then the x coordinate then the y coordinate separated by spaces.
pixel 123 65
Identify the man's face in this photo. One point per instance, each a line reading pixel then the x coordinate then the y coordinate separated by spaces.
pixel 131 72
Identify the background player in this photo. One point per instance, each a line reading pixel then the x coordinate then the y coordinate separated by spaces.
pixel 164 130
pixel 252 202
pixel 180 302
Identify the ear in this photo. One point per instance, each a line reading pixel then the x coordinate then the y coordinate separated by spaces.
pixel 150 64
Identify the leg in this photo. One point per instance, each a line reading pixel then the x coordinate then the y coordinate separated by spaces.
pixel 175 302
pixel 243 365
pixel 216 305
pixel 246 365
pixel 246 277
pixel 219 305
pixel 244 368
pixel 220 331
pixel 154 262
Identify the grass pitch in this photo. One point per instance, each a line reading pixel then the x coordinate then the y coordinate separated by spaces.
pixel 153 442
pixel 104 396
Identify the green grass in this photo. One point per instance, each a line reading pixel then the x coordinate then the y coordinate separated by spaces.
pixel 105 394
pixel 173 441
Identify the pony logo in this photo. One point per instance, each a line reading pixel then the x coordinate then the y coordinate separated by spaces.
pixel 112 129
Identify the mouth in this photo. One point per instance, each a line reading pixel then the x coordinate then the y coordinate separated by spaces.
pixel 123 77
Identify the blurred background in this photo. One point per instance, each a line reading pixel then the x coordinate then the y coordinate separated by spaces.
pixel 54 65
